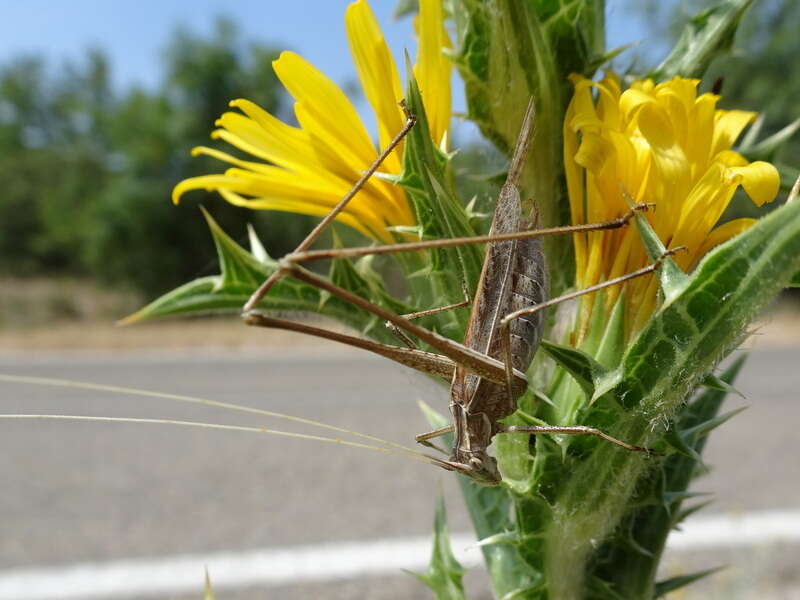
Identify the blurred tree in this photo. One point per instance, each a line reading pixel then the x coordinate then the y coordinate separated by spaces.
pixel 139 236
pixel 87 170
pixel 54 159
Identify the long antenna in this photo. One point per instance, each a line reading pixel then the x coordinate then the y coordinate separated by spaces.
pixel 412 454
pixel 99 387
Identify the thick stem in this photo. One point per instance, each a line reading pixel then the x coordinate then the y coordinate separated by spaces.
pixel 590 506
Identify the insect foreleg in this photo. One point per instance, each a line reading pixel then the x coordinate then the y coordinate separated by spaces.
pixel 423 438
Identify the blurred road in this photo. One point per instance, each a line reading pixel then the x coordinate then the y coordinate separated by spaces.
pixel 76 492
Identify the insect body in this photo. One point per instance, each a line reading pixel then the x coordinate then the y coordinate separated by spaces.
pixel 513 277
pixel 504 330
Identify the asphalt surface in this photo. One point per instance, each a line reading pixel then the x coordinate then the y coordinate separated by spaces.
pixel 79 491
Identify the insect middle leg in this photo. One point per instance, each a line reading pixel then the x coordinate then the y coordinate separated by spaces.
pixel 398 333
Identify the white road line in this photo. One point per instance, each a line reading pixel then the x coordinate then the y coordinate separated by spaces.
pixel 738 530
pixel 157 577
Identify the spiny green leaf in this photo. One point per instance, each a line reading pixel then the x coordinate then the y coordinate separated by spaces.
pixel 597 325
pixel 705 37
pixel 680 443
pixel 241 273
pixel 706 405
pixel 672 279
pixel 705 427
pixel 501 538
pixel 428 184
pixel 670 585
pixel 629 539
pixel 445 573
pixel 671 498
pixel 238 267
pixel 686 338
pixel 201 296
pixel 610 55
pixel 585 369
pixel 612 345
pixel 714 382
pixel 364 282
pixel 656 509
pixel 603 590
pixel 682 341
pixel 684 514
pixel 256 247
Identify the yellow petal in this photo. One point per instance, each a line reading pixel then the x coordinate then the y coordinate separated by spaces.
pixel 282 144
pixel 278 184
pixel 608 101
pixel 729 158
pixel 728 127
pixel 669 160
pixel 723 233
pixel 575 184
pixel 378 74
pixel 700 135
pixel 296 206
pixel 228 158
pixel 631 101
pixel 593 152
pixel 433 68
pixel 208 183
pixel 324 110
pixel 583 115
pixel 704 206
pixel 760 180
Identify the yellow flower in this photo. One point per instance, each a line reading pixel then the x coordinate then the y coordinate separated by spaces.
pixel 308 169
pixel 662 144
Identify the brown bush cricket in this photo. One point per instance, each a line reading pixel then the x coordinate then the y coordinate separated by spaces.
pixel 505 325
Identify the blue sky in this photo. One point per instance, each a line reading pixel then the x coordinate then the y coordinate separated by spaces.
pixel 133 33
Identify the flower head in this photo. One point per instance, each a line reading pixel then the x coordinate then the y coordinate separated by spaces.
pixel 661 144
pixel 308 169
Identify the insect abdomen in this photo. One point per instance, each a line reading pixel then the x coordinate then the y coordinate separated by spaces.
pixel 529 288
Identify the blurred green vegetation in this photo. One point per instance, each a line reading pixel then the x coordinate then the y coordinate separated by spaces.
pixel 86 170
